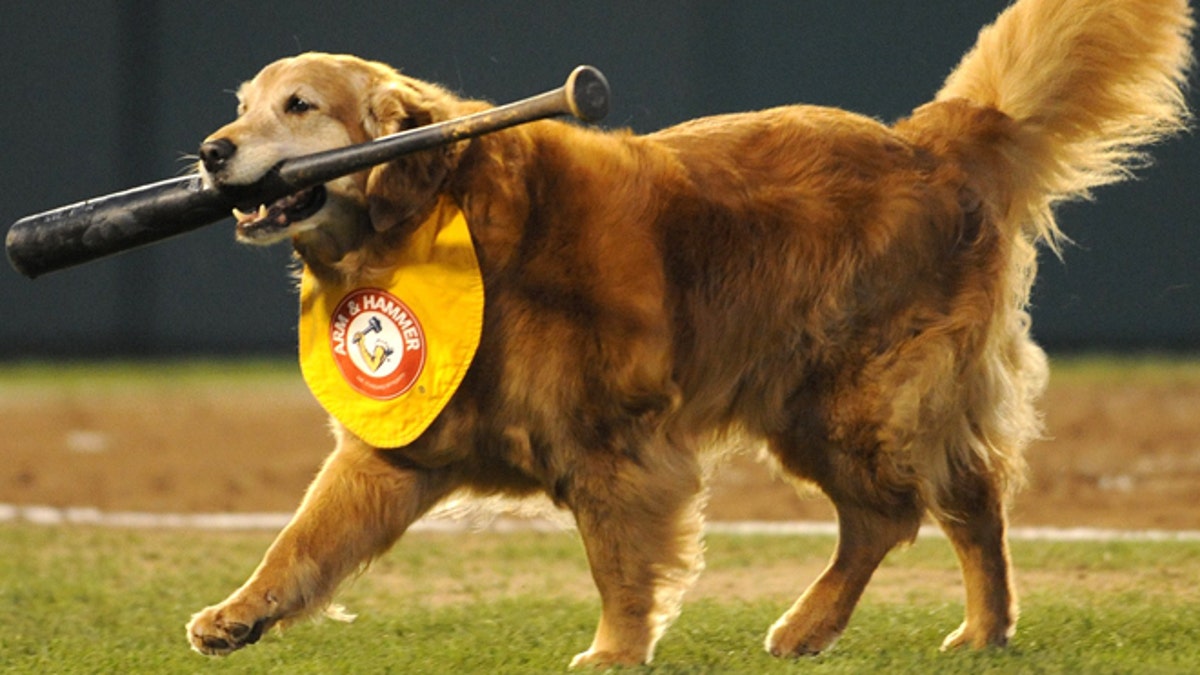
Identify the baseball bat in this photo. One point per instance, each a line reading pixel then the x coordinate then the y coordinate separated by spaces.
pixel 102 226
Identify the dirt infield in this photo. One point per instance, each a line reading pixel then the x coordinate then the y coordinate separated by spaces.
pixel 1123 448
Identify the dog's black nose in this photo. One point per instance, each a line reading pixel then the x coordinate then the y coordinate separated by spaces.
pixel 216 153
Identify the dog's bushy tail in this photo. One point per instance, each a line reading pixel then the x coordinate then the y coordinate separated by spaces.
pixel 1056 98
pixel 1089 84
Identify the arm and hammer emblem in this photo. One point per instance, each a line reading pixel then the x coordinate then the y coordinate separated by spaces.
pixel 377 343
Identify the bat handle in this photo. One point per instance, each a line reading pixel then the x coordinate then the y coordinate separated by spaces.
pixel 584 95
pixel 587 94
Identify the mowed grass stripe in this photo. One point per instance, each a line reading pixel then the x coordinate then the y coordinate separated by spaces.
pixel 78 599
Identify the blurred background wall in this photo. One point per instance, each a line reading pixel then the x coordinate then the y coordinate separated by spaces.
pixel 102 95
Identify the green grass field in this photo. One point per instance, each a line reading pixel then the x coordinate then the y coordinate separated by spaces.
pixel 76 599
pixel 79 599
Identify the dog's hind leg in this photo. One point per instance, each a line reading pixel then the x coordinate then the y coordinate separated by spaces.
pixel 357 507
pixel 641 524
pixel 865 536
pixel 973 516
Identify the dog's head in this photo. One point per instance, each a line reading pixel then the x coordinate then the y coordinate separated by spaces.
pixel 315 102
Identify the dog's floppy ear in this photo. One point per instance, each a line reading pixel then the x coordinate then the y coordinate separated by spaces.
pixel 404 188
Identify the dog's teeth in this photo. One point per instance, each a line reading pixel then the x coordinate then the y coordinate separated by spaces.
pixel 239 215
pixel 262 211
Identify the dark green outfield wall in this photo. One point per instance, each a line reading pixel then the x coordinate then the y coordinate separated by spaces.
pixel 102 95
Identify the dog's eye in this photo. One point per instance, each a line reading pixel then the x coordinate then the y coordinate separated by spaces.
pixel 297 106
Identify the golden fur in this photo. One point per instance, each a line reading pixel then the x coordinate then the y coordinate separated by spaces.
pixel 852 294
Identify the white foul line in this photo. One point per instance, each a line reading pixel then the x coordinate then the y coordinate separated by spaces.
pixel 51 515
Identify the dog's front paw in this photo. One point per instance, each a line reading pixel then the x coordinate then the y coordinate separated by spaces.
pixel 219 630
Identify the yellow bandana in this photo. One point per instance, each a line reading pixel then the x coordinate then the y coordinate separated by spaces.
pixel 384 360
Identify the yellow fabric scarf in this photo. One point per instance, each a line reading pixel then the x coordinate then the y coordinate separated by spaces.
pixel 384 360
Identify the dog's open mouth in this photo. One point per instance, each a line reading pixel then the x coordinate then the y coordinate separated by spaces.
pixel 276 217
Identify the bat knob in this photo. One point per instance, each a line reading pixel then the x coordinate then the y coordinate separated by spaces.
pixel 588 94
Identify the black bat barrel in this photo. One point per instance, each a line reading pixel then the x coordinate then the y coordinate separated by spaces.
pixel 96 228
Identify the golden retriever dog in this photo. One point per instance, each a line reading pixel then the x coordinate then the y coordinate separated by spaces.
pixel 849 295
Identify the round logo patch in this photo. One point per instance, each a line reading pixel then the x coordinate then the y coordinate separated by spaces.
pixel 377 342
